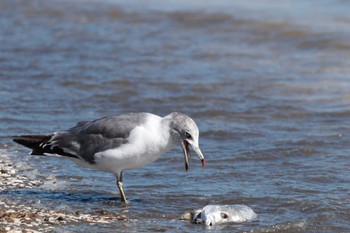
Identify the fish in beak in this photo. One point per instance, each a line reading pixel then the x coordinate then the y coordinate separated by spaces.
pixel 186 149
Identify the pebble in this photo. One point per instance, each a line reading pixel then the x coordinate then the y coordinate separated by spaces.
pixel 17 217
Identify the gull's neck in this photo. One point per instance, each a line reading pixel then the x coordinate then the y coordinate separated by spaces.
pixel 167 125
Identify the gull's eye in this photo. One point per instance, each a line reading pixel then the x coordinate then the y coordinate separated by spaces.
pixel 188 135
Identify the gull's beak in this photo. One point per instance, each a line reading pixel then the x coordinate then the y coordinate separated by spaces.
pixel 186 149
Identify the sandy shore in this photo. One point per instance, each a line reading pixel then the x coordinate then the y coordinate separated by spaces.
pixel 19 217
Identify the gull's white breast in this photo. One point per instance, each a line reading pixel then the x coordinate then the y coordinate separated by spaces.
pixel 146 143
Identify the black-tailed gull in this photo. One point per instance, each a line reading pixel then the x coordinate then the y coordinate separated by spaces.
pixel 117 143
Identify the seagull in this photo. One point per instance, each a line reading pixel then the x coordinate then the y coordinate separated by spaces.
pixel 117 143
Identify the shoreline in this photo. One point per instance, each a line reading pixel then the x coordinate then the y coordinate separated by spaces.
pixel 19 217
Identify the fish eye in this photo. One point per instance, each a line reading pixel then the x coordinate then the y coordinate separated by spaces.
pixel 188 135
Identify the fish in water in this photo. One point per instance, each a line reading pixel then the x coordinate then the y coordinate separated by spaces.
pixel 217 214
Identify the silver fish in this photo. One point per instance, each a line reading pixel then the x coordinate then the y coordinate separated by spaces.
pixel 217 214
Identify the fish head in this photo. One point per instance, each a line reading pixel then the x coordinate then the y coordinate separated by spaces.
pixel 212 215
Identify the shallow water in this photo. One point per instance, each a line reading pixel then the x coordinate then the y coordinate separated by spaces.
pixel 267 84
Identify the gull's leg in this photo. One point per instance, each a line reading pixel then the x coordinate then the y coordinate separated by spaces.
pixel 120 187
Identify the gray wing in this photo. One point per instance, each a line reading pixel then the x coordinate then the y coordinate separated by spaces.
pixel 89 137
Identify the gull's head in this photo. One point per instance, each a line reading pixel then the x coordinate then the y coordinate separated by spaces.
pixel 187 132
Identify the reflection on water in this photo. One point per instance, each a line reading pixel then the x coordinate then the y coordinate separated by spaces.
pixel 269 90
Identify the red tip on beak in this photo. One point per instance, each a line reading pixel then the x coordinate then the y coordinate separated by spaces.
pixel 203 162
